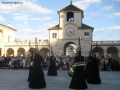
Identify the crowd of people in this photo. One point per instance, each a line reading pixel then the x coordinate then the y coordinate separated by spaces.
pixel 62 62
pixel 86 69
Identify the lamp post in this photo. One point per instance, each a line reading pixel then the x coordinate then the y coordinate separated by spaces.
pixel 79 44
pixel 51 50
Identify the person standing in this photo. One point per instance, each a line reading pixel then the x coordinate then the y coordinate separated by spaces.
pixel 37 80
pixel 78 80
pixel 93 76
pixel 31 66
pixel 87 68
pixel 52 71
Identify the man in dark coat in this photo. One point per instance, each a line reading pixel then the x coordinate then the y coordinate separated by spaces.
pixel 93 76
pixel 37 80
pixel 52 71
pixel 31 67
pixel 78 80
pixel 87 68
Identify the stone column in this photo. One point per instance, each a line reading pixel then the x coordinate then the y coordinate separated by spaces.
pixel 105 53
pixel 15 53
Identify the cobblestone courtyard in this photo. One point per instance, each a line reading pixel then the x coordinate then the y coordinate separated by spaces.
pixel 17 80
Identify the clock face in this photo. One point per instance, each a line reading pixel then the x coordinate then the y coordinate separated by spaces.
pixel 70 31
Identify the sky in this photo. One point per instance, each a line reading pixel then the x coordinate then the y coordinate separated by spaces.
pixel 33 18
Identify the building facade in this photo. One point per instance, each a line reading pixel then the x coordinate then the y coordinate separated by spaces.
pixel 69 30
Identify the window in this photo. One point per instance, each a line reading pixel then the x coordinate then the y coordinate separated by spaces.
pixel 86 35
pixel 70 16
pixel 54 35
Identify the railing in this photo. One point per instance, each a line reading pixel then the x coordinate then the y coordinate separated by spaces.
pixel 105 42
pixel 27 43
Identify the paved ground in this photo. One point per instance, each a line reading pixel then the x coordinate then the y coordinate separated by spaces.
pixel 17 80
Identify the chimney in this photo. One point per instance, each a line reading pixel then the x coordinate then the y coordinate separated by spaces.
pixel 10 25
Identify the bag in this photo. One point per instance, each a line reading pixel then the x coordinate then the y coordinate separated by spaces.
pixel 71 71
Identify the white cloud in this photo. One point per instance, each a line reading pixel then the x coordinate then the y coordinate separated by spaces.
pixel 47 18
pixel 36 18
pixel 2 18
pixel 25 22
pixel 84 4
pixel 27 7
pixel 117 14
pixel 114 28
pixel 107 8
pixel 115 0
pixel 18 16
pixel 41 33
pixel 108 28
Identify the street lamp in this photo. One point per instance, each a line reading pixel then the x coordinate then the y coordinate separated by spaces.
pixel 79 44
pixel 51 50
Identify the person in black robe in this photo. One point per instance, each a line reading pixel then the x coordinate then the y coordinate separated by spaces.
pixel 87 68
pixel 37 80
pixel 78 80
pixel 52 71
pixel 31 67
pixel 93 76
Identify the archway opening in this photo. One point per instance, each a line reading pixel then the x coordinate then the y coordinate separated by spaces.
pixel 44 52
pixel 10 52
pixel 113 51
pixel 98 50
pixel 21 51
pixel 70 16
pixel 70 49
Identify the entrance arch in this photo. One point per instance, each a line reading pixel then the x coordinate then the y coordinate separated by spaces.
pixel 99 50
pixel 0 51
pixel 113 51
pixel 44 51
pixel 21 51
pixel 69 47
pixel 10 52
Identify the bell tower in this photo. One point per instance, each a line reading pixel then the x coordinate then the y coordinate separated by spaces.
pixel 69 29
pixel 70 14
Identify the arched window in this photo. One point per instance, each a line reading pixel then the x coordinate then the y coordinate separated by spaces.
pixel 70 16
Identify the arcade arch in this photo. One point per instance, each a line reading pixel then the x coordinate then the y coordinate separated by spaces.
pixel 31 49
pixel 10 52
pixel 99 50
pixel 21 51
pixel 44 51
pixel 113 51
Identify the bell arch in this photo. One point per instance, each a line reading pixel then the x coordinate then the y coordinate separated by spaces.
pixel 113 51
pixel 70 16
pixel 44 51
pixel 10 52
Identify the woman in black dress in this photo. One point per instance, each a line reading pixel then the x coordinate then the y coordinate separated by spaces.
pixel 52 71
pixel 37 80
pixel 93 76
pixel 78 80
